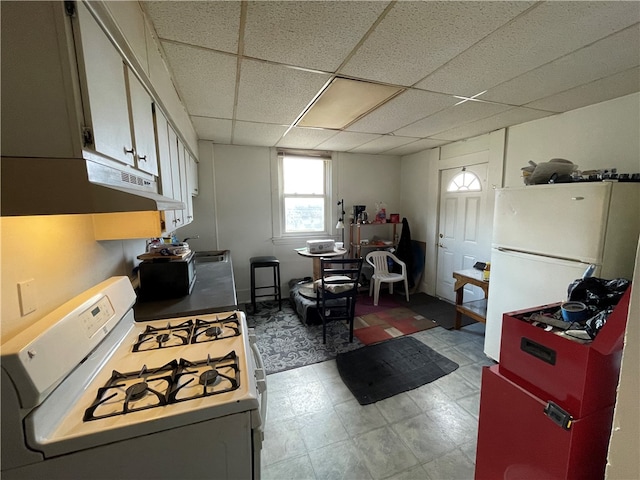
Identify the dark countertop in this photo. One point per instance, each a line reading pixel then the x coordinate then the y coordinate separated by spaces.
pixel 214 291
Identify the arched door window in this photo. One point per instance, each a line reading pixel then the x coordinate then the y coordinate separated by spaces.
pixel 465 182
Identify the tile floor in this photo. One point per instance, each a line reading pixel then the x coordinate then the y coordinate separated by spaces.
pixel 317 430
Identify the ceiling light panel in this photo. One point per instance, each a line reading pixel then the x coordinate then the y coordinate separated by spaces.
pixel 344 101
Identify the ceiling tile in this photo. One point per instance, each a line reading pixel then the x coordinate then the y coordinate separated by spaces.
pixel 415 38
pixel 316 35
pixel 274 93
pixel 344 141
pixel 402 110
pixel 417 146
pixel 543 34
pixel 514 116
pixel 608 88
pixel 217 130
pixel 249 133
pixel 451 117
pixel 381 144
pixel 599 60
pixel 208 24
pixel 305 137
pixel 206 79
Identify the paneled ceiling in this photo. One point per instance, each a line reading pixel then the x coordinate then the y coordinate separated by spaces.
pixel 247 71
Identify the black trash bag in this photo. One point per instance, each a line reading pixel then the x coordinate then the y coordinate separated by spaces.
pixel 597 292
pixel 595 323
pixel 600 296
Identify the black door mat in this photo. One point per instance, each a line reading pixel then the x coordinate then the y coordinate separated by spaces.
pixel 380 371
pixel 441 312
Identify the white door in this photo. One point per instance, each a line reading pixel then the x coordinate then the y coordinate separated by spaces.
pixel 464 235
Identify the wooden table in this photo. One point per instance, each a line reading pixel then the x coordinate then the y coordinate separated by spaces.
pixel 476 309
pixel 317 256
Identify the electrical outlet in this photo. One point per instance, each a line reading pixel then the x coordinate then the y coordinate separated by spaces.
pixel 28 296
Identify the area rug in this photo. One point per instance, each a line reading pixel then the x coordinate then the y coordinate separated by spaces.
pixel 380 371
pixel 391 318
pixel 285 342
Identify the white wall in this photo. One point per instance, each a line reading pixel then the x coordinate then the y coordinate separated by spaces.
pixel 623 462
pixel 604 135
pixel 60 254
pixel 240 186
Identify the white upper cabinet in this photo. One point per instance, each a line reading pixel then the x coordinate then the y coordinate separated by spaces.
pixel 141 118
pixel 192 177
pixel 180 217
pixel 119 110
pixel 106 109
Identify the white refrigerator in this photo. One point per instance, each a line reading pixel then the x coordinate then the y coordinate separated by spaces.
pixel 546 236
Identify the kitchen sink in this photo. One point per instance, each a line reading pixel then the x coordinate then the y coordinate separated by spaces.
pixel 212 256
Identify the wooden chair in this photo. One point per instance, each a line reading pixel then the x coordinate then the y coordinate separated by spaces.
pixel 336 291
pixel 379 260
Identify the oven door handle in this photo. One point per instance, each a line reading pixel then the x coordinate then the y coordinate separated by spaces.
pixel 261 378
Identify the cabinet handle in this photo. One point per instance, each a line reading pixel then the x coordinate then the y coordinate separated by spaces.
pixel 142 157
pixel 132 151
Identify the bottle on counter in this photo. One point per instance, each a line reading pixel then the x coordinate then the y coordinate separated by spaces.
pixel 486 272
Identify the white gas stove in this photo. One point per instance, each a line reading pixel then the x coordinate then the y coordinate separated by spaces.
pixel 89 393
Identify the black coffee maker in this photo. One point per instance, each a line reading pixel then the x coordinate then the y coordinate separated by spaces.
pixel 359 213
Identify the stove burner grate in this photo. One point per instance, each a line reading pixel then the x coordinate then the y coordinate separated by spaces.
pixel 220 375
pixel 123 392
pixel 154 338
pixel 188 332
pixel 174 382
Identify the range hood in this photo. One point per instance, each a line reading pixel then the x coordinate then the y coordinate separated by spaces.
pixel 55 186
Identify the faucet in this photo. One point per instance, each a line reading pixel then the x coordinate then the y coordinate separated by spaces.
pixel 189 238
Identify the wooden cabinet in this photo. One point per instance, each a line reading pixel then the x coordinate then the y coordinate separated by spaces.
pixel 364 237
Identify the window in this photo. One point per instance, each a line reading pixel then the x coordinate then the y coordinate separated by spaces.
pixel 304 194
pixel 464 182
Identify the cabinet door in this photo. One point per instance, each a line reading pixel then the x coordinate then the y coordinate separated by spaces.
pixel 178 221
pixel 193 176
pixel 106 91
pixel 141 116
pixel 183 155
pixel 164 165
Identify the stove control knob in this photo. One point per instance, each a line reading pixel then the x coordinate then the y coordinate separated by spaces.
pixel 31 353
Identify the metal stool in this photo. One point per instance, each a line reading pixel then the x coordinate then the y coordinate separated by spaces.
pixel 263 262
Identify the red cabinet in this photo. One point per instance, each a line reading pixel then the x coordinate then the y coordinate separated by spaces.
pixel 546 409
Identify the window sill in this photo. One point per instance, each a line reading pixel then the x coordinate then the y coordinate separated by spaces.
pixel 296 240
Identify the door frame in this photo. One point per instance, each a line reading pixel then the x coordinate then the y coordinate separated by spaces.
pixel 458 155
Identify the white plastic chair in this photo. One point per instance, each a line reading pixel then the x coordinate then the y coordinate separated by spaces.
pixel 378 259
